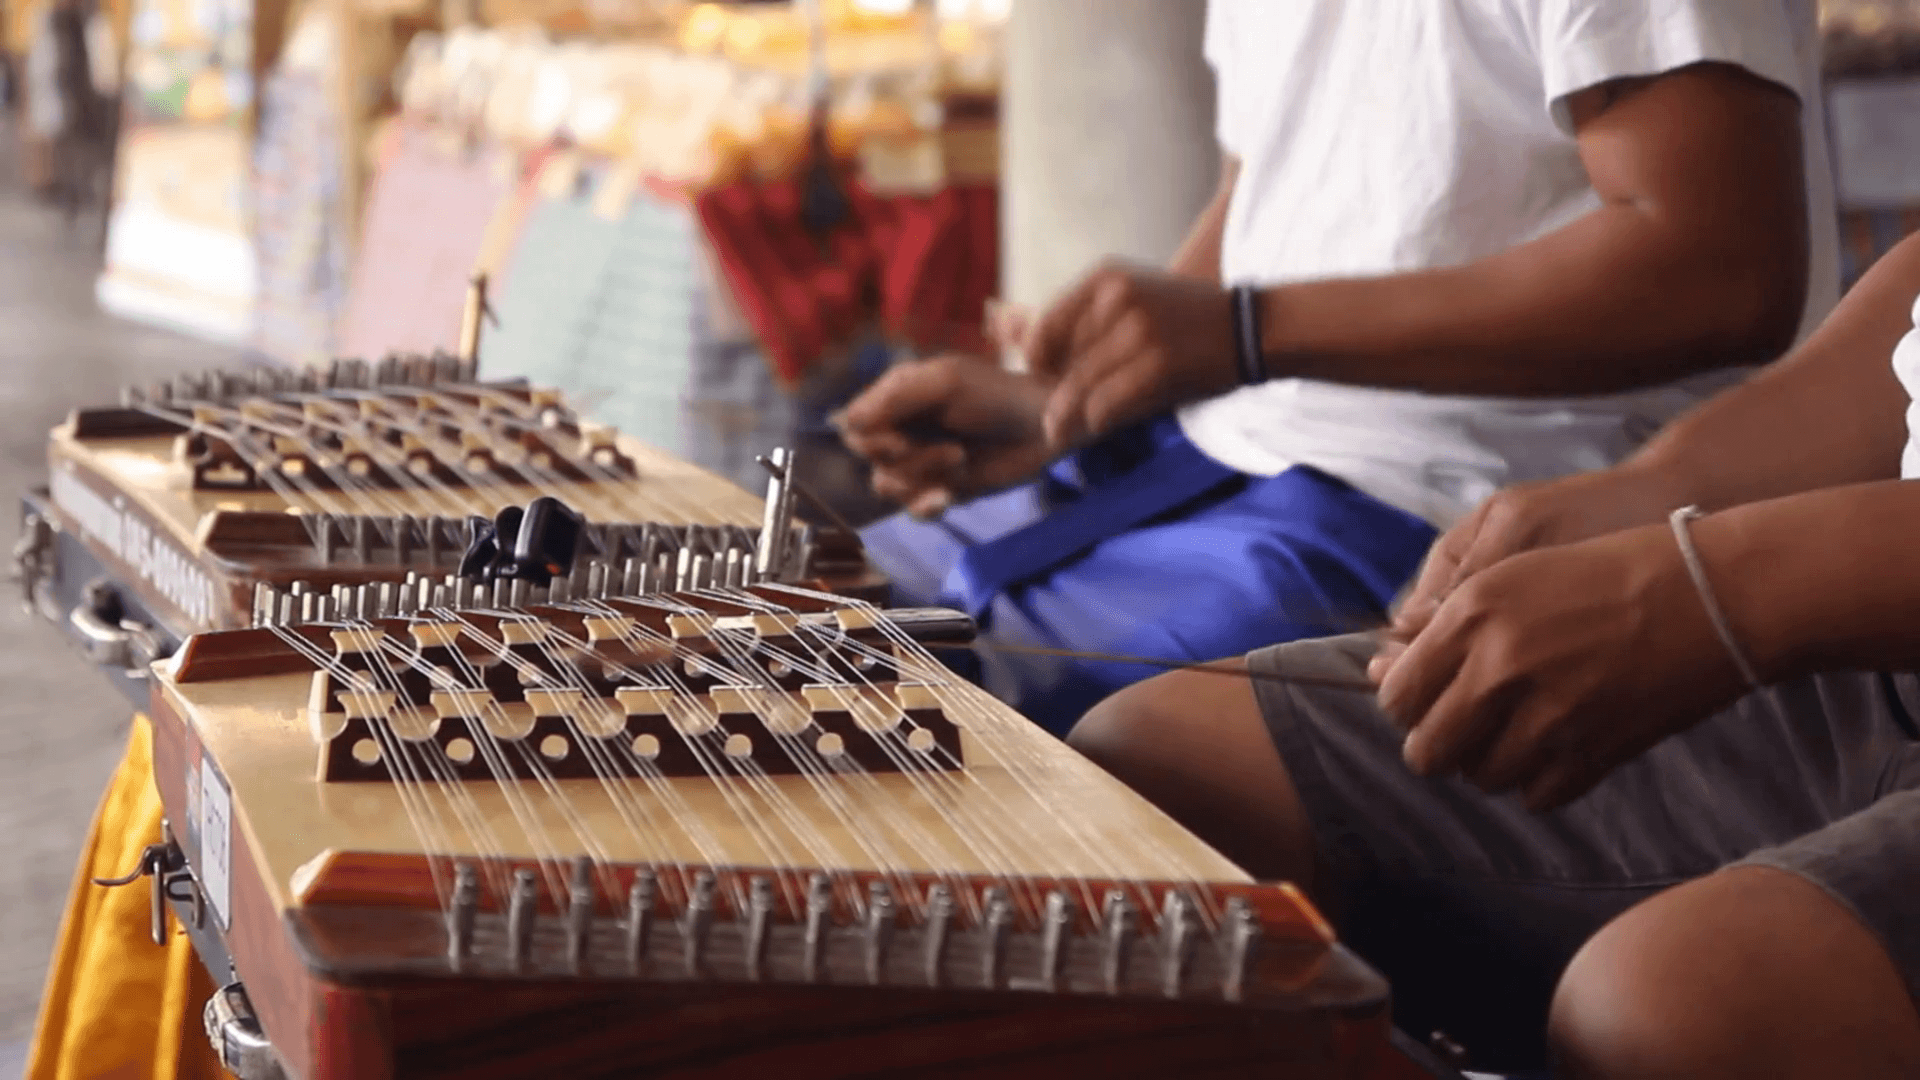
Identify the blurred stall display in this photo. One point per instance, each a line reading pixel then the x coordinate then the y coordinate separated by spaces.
pixel 179 250
pixel 434 199
pixel 649 231
pixel 1870 38
pixel 727 98
pixel 605 302
pixel 1873 112
pixel 613 296
pixel 300 231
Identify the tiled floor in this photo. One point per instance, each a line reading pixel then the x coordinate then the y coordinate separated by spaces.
pixel 61 726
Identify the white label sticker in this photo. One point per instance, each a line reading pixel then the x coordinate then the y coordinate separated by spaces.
pixel 216 839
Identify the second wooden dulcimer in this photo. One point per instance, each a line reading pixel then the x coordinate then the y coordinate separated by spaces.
pixel 717 832
pixel 166 514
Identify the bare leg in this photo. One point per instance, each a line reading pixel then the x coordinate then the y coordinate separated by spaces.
pixel 1750 972
pixel 1195 745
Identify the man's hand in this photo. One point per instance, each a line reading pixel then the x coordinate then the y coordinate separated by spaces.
pixel 1532 516
pixel 945 429
pixel 1543 672
pixel 1127 343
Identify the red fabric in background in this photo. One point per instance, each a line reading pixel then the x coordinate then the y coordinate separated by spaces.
pixel 922 267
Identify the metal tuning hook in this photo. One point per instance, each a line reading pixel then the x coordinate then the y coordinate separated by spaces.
pixel 776 527
pixel 157 863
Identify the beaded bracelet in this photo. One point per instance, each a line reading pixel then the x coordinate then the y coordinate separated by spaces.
pixel 1697 570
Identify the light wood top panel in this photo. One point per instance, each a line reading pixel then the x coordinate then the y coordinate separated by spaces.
pixel 1026 805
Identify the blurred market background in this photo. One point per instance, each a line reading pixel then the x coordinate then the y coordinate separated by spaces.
pixel 709 223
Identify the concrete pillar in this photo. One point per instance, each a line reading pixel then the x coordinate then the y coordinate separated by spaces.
pixel 1107 118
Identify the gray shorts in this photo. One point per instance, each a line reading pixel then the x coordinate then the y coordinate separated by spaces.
pixel 1472 907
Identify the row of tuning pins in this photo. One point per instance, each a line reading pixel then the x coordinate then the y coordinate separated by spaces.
pixel 398 540
pixel 1173 935
pixel 593 580
pixel 226 387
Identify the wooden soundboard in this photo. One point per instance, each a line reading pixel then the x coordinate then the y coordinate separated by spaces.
pixel 328 896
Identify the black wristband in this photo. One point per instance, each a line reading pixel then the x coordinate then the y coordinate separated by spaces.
pixel 1248 357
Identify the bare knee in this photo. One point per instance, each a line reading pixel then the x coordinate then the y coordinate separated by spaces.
pixel 1194 744
pixel 1748 972
pixel 1128 732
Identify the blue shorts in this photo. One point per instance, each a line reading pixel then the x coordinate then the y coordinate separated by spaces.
pixel 1143 547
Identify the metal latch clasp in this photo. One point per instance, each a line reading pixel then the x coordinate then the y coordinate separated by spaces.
pixel 108 637
pixel 237 1038
pixel 33 561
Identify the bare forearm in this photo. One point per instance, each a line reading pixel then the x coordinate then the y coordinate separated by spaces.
pixel 1831 414
pixel 1607 304
pixel 1199 254
pixel 1696 258
pixel 1824 581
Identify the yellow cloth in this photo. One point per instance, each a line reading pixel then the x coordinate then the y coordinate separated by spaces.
pixel 118 1006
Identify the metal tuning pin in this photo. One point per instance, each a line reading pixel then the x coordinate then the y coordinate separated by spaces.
pixel 264 605
pixel 466 904
pixel 323 538
pixel 879 930
pixel 996 927
pixel 1056 923
pixel 640 899
pixel 759 922
pixel 1239 946
pixel 580 912
pixel 819 921
pixel 522 907
pixel 776 525
pixel 698 920
pixel 1117 940
pixel 938 926
pixel 1176 942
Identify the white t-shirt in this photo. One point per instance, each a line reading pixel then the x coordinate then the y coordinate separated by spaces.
pixel 1906 365
pixel 1384 136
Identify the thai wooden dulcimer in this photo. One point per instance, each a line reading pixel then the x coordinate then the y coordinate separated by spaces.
pixel 724 831
pixel 165 515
